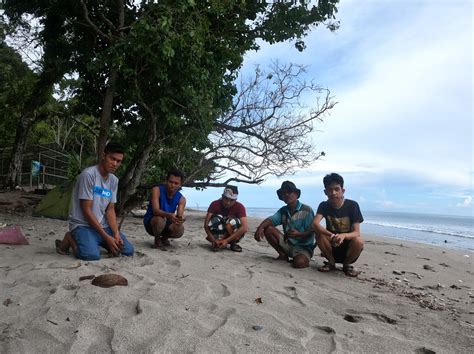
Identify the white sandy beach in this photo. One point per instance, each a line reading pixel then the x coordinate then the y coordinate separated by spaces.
pixel 189 299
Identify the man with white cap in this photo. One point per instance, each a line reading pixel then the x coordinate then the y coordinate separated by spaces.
pixel 226 221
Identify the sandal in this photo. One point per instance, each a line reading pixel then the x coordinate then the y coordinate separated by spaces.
pixel 327 267
pixel 235 247
pixel 59 249
pixel 350 271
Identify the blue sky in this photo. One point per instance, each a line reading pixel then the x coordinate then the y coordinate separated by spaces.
pixel 401 134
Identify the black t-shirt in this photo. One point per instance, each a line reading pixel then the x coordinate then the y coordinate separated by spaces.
pixel 339 221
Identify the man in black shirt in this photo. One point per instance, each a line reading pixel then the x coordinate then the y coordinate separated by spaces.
pixel 340 240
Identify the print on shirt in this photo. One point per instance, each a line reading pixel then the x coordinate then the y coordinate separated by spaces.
pixel 338 225
pixel 102 192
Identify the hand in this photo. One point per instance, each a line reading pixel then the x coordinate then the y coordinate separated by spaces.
pixel 337 239
pixel 112 245
pixel 292 233
pixel 176 219
pixel 259 234
pixel 222 243
pixel 118 240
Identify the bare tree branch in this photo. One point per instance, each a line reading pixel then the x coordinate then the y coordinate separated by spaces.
pixel 267 130
pixel 91 24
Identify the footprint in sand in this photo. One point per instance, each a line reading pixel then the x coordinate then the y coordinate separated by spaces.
pixel 219 291
pixel 143 259
pixel 279 273
pixel 323 338
pixel 352 318
pixel 424 350
pixel 327 329
pixel 220 321
pixel 292 294
pixel 70 287
pixel 379 316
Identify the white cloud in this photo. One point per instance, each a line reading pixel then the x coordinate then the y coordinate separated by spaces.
pixel 467 203
pixel 402 132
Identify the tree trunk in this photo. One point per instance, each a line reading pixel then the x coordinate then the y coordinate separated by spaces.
pixel 39 97
pixel 106 116
pixel 131 179
pixel 16 162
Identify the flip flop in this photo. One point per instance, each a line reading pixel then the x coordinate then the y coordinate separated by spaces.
pixel 327 267
pixel 235 247
pixel 59 249
pixel 350 271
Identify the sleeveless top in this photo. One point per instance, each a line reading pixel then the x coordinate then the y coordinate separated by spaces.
pixel 168 205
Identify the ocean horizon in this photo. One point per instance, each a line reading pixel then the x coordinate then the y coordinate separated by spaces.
pixel 455 232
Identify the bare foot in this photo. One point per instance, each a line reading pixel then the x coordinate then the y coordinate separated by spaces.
pixel 281 257
pixel 165 241
pixel 158 244
pixel 60 249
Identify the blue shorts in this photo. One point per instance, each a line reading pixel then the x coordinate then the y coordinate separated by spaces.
pixel 88 242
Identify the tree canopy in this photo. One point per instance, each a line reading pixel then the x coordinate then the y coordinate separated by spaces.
pixel 160 76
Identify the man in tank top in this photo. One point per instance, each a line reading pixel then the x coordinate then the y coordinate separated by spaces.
pixel 164 218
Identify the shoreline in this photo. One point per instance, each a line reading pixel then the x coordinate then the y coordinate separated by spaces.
pixel 409 297
pixel 444 245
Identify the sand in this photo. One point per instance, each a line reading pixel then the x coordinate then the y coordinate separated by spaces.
pixel 408 298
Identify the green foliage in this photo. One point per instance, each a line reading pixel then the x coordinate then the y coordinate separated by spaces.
pixel 16 81
pixel 175 60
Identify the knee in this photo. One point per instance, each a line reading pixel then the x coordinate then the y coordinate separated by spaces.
pixel 270 231
pixel 88 254
pixel 128 249
pixel 86 244
pixel 175 231
pixel 179 231
pixel 320 239
pixel 158 221
pixel 358 243
pixel 300 262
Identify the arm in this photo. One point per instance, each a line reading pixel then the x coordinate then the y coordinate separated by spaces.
pixel 298 234
pixel 111 217
pixel 355 232
pixel 259 234
pixel 318 228
pixel 155 204
pixel 237 234
pixel 209 234
pixel 86 207
pixel 339 238
pixel 180 211
pixel 307 228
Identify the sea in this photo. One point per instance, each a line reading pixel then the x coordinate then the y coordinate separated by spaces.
pixel 456 232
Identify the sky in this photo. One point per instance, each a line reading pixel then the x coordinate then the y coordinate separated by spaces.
pixel 402 132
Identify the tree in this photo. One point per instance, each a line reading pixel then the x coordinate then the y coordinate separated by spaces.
pixel 266 129
pixel 160 75
pixel 52 68
pixel 15 79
